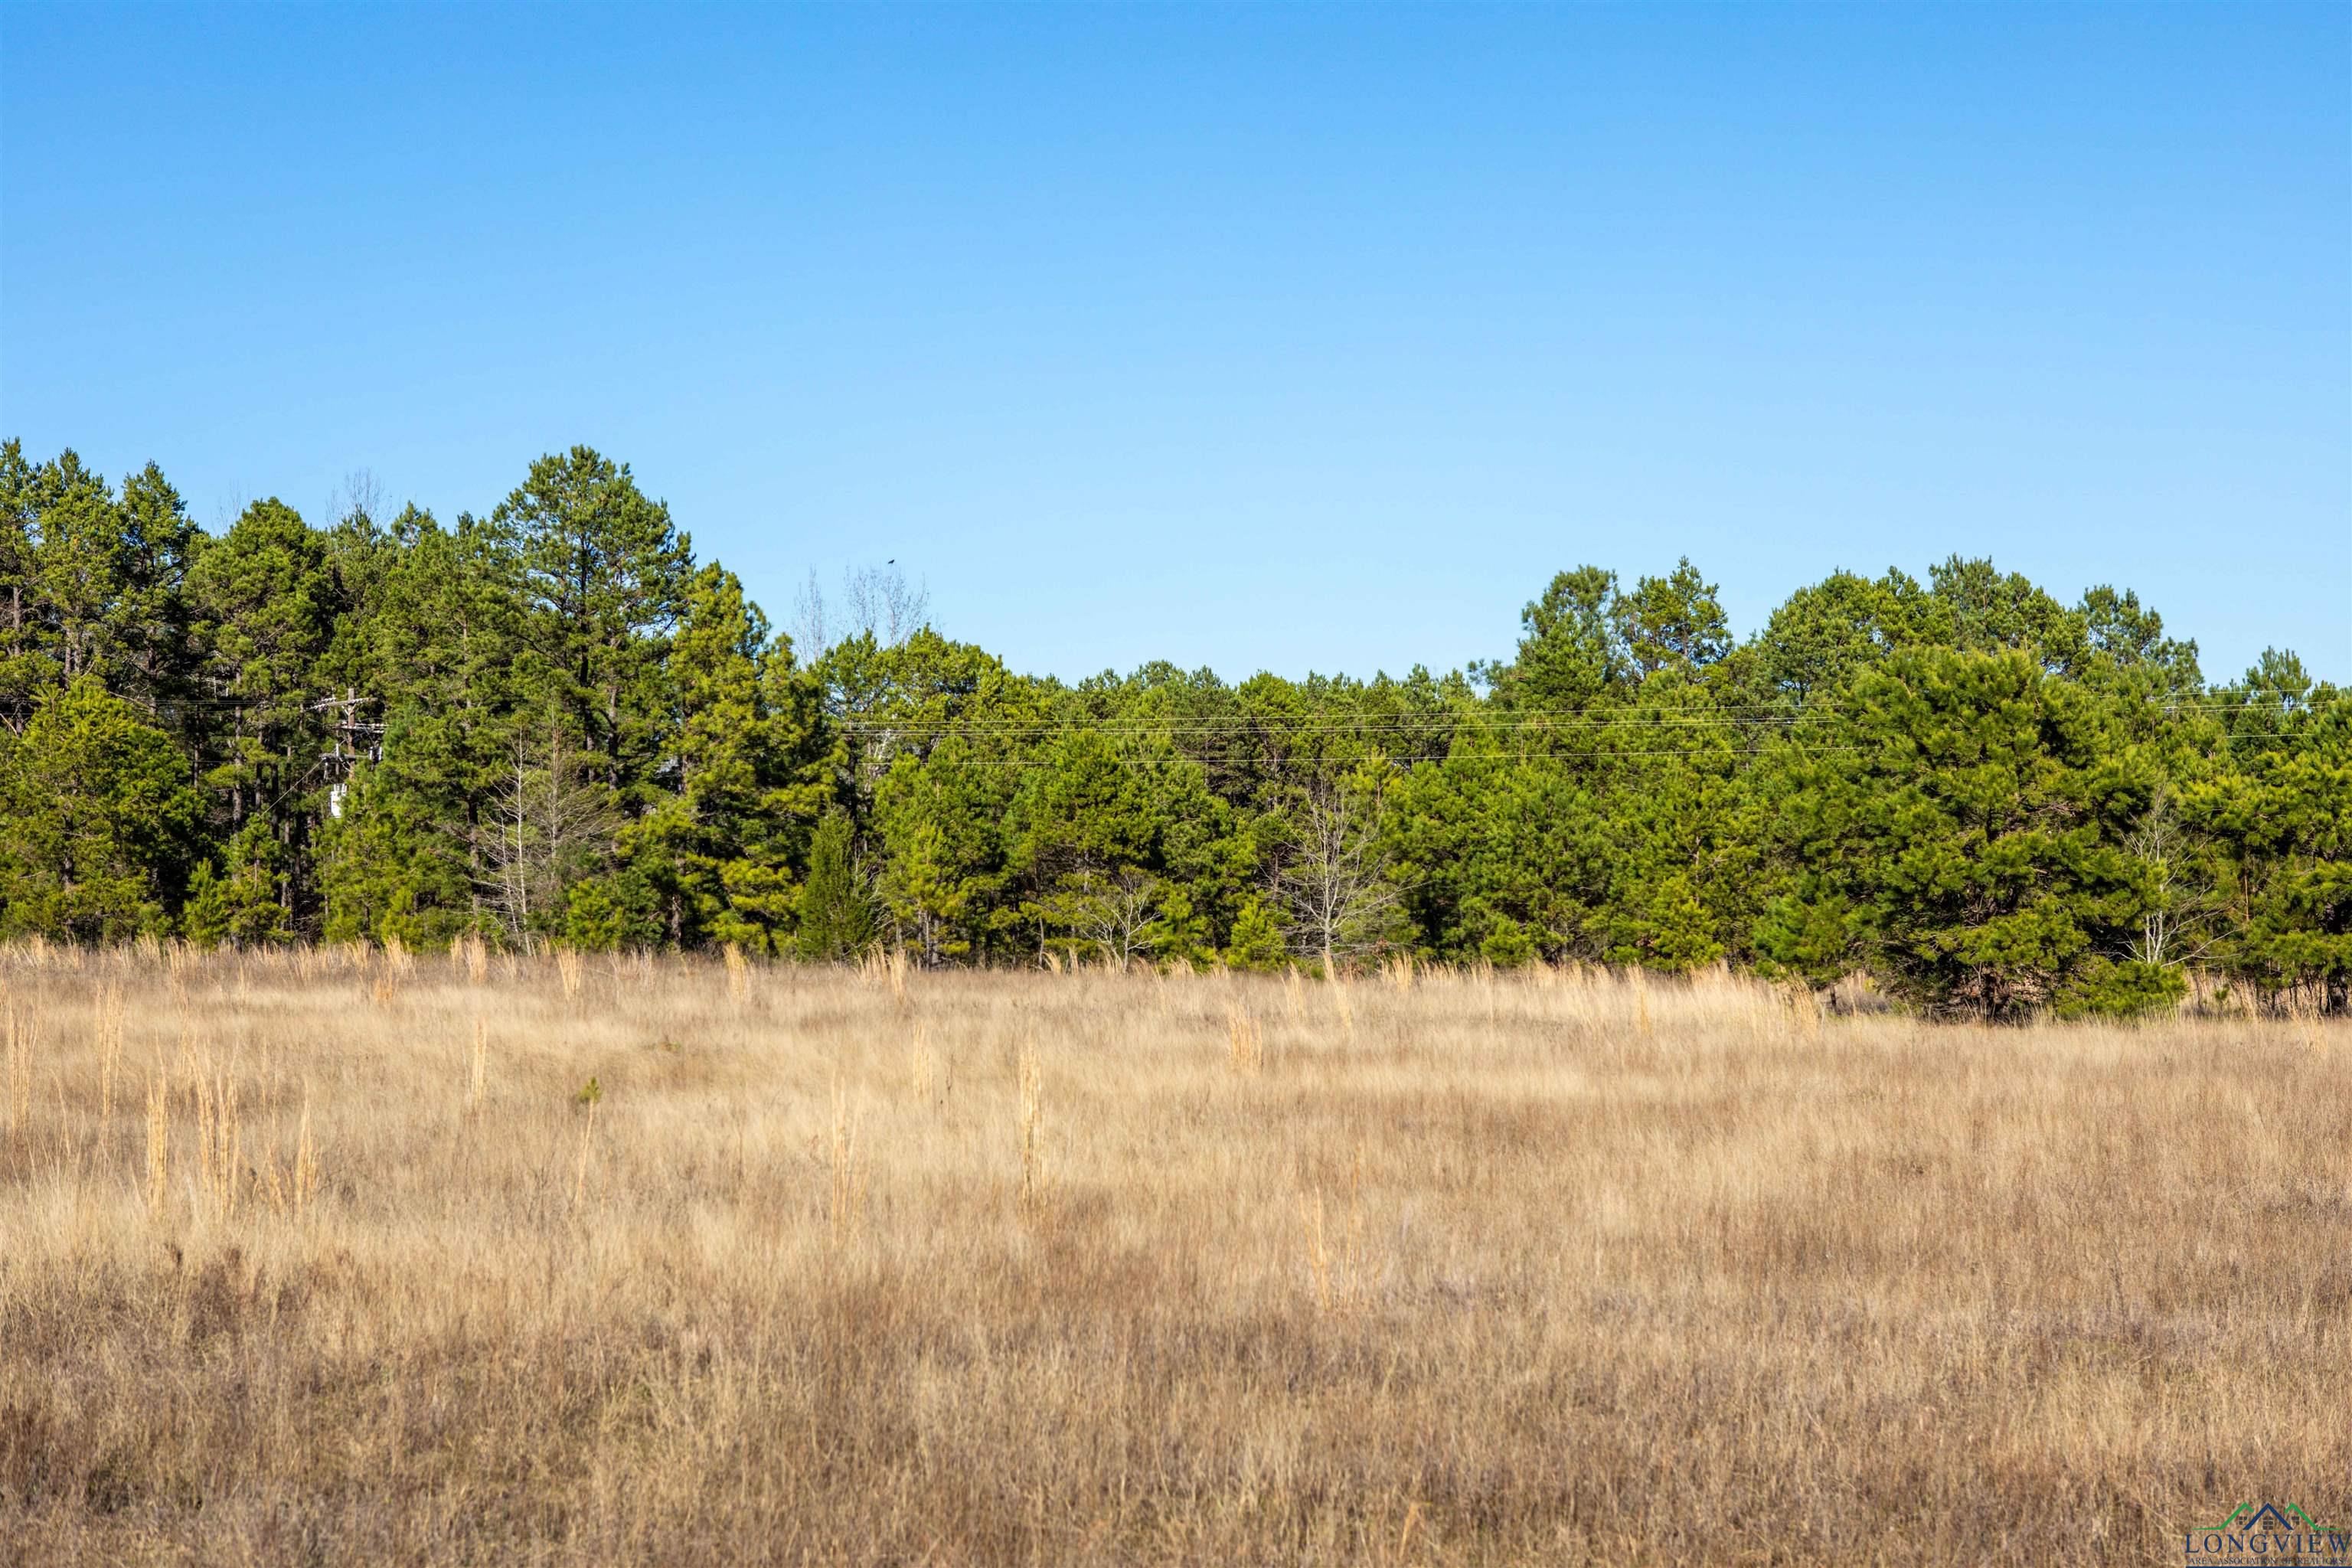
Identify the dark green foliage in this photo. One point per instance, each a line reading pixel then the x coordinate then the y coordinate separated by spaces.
pixel 243 903
pixel 1968 813
pixel 1673 622
pixel 603 577
pixel 715 849
pixel 941 817
pixel 2119 988
pixel 25 669
pixel 1574 650
pixel 1831 631
pixel 1258 941
pixel 101 827
pixel 2278 812
pixel 836 917
pixel 265 605
pixel 552 725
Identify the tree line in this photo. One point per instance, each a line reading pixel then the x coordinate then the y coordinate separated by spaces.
pixel 554 725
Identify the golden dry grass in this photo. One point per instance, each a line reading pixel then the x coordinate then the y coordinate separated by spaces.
pixel 332 1258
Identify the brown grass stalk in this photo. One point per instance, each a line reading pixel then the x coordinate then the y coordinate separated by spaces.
pixel 159 1141
pixel 19 1087
pixel 1244 1043
pixel 1036 1185
pixel 478 1081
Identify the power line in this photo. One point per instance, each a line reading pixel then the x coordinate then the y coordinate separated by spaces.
pixel 1520 720
pixel 1769 709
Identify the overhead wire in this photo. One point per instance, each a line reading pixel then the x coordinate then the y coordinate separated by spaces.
pixel 1724 717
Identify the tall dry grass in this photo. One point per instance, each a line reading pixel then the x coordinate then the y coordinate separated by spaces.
pixel 332 1256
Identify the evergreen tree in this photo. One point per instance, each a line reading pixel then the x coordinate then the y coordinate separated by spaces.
pixel 239 904
pixel 1830 632
pixel 548 725
pixel 1677 892
pixel 1672 623
pixel 836 919
pixel 79 572
pixel 102 827
pixel 750 777
pixel 2278 810
pixel 1983 610
pixel 603 577
pixel 1969 842
pixel 943 869
pixel 267 604
pixel 153 620
pixel 1573 652
pixel 411 847
pixel 24 667
pixel 1258 941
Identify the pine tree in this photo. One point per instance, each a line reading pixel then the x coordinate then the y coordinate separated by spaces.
pixel 25 669
pixel 1573 652
pixel 79 572
pixel 1970 839
pixel 2277 807
pixel 410 850
pixel 750 777
pixel 239 903
pixel 102 827
pixel 603 577
pixel 153 623
pixel 943 851
pixel 1258 941
pixel 267 603
pixel 836 919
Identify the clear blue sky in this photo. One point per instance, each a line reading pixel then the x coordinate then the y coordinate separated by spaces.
pixel 1238 336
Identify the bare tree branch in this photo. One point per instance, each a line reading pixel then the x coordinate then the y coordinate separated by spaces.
pixel 1337 890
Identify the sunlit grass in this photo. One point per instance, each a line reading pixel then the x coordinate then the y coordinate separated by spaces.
pixel 329 1257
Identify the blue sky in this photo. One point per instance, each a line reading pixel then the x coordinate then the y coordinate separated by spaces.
pixel 1239 336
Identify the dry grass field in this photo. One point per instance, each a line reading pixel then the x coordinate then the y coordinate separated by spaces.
pixel 335 1257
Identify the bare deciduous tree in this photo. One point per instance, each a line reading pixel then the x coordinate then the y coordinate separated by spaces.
pixel 875 599
pixel 882 602
pixel 1337 889
pixel 553 821
pixel 359 496
pixel 811 628
pixel 1114 912
pixel 1111 913
pixel 2177 908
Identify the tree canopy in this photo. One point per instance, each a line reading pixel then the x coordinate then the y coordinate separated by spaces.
pixel 554 725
